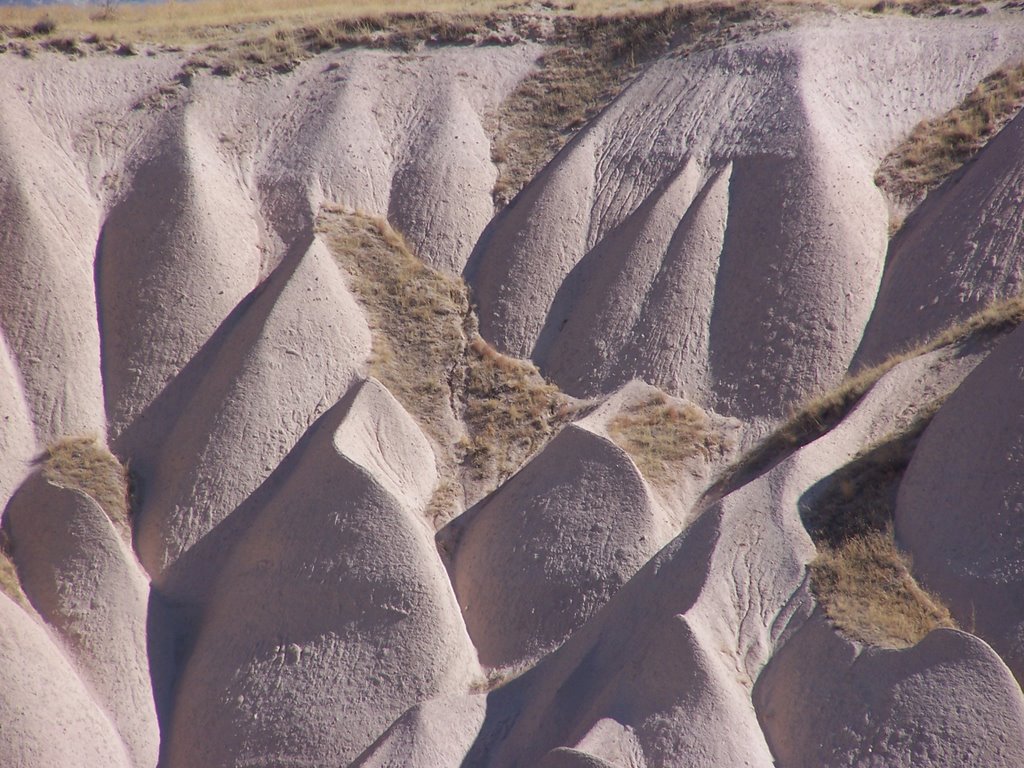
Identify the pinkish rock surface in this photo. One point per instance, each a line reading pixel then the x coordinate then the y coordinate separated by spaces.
pixel 712 236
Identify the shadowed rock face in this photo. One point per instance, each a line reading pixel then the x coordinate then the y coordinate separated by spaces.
pixel 714 231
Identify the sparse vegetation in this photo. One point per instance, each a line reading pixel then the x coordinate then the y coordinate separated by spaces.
pixel 860 578
pixel 936 148
pixel 591 61
pixel 661 436
pixel 510 410
pixel 821 413
pixel 867 591
pixel 309 26
pixel 284 47
pixel 485 412
pixel 10 585
pixel 201 22
pixel 84 463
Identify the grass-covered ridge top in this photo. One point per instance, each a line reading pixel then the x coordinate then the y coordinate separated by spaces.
pixel 203 21
pixel 937 148
pixel 83 463
pixel 230 36
pixel 661 436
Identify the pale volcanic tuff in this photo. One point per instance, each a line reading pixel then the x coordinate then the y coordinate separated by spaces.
pixel 715 232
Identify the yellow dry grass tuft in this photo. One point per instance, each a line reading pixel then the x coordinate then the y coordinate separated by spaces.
pixel 510 410
pixel 85 464
pixel 936 148
pixel 860 577
pixel 484 411
pixel 661 436
pixel 865 587
pixel 10 585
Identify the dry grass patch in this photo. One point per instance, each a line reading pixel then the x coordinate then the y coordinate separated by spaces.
pixel 819 414
pixel 936 148
pixel 510 410
pixel 543 113
pixel 10 585
pixel 485 412
pixel 417 315
pixel 591 60
pixel 860 577
pixel 85 464
pixel 865 587
pixel 661 436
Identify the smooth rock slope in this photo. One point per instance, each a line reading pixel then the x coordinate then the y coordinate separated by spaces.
pixel 712 235
pixel 725 192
